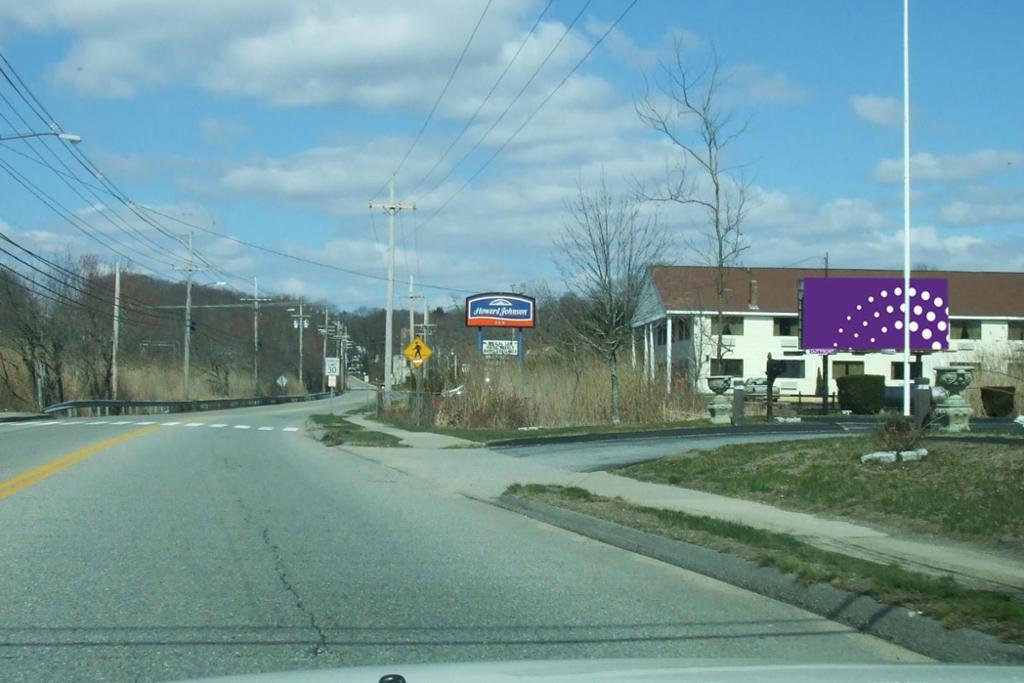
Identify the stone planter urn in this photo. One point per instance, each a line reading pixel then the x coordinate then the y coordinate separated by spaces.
pixel 720 408
pixel 955 408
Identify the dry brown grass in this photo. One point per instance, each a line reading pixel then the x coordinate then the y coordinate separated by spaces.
pixel 552 394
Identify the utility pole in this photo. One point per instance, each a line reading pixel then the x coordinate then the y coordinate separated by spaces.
pixel 189 269
pixel 392 208
pixel 412 311
pixel 326 330
pixel 300 322
pixel 117 329
pixel 256 333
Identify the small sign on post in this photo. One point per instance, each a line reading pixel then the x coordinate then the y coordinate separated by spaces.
pixel 418 352
pixel 501 347
pixel 332 366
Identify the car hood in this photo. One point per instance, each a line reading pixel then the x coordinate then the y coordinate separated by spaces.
pixel 640 670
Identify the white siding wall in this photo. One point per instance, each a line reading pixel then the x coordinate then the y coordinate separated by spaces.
pixel 758 340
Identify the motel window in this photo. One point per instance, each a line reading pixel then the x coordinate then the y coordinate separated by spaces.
pixel 787 327
pixel 1015 331
pixel 896 370
pixel 661 335
pixel 731 325
pixel 964 329
pixel 727 366
pixel 791 369
pixel 846 368
pixel 681 329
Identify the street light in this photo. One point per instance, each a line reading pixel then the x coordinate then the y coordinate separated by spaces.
pixel 66 137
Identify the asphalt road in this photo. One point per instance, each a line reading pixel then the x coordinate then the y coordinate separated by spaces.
pixel 138 552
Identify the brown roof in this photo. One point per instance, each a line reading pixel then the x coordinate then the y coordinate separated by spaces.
pixel 692 288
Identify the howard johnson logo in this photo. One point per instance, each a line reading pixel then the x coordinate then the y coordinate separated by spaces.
pixel 500 310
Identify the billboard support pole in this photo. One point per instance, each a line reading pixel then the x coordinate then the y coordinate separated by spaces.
pixel 906 208
pixel 521 347
pixel 480 341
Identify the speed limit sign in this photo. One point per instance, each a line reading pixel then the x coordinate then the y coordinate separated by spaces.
pixel 332 366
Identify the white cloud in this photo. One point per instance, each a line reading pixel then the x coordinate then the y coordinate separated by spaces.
pixel 881 111
pixel 973 213
pixel 217 132
pixel 927 167
pixel 757 84
pixel 297 53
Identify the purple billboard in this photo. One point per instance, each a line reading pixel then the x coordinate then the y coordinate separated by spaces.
pixel 866 314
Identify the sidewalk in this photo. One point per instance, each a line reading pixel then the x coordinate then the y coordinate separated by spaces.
pixel 483 473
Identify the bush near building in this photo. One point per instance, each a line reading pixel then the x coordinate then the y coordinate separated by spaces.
pixel 861 394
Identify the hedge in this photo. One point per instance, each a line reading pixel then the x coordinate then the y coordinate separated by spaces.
pixel 997 401
pixel 861 394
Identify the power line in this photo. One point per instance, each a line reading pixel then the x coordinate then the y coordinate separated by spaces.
pixel 515 99
pixel 444 90
pixel 485 100
pixel 37 107
pixel 532 114
pixel 299 259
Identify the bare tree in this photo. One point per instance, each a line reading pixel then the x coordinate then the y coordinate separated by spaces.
pixel 608 244
pixel 700 178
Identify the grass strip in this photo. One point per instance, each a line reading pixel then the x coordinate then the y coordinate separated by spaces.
pixel 337 431
pixel 973 492
pixel 939 597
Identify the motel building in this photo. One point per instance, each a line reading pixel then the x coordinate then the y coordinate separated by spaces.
pixel 675 327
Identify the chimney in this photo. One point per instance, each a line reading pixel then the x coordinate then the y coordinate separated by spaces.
pixel 752 303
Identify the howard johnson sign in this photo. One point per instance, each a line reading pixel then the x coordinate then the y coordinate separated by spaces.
pixel 501 310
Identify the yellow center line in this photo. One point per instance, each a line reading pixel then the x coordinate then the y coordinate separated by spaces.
pixel 37 474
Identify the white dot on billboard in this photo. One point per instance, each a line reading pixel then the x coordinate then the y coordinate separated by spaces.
pixel 871 299
pixel 859 307
pixel 884 293
pixel 864 324
pixel 889 309
pixel 849 317
pixel 926 333
pixel 840 330
pixel 872 340
pixel 926 295
pixel 899 324
pixel 877 314
pixel 884 329
pixel 913 292
pixel 938 302
pixel 942 326
pixel 930 315
pixel 856 335
pixel 918 310
pixel 936 345
pixel 913 326
pixel 897 291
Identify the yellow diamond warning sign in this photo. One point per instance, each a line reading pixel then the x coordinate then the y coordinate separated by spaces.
pixel 418 352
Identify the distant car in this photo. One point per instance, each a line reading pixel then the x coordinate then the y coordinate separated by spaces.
pixel 757 387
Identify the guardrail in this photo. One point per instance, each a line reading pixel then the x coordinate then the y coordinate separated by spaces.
pixel 102 407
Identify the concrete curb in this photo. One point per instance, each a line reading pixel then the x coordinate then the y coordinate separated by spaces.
pixel 25 418
pixel 892 623
pixel 825 429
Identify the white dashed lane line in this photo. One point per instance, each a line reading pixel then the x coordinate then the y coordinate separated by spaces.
pixel 217 425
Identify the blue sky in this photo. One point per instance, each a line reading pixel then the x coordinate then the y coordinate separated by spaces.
pixel 276 122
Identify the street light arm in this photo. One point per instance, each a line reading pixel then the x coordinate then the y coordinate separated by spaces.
pixel 66 137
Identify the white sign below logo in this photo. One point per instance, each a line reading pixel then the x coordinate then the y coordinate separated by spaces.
pixel 332 366
pixel 501 347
